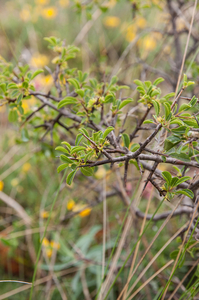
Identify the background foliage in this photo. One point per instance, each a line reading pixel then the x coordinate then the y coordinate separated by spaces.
pixel 110 111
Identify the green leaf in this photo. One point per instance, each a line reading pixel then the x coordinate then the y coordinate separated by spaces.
pixel 36 73
pixel 74 82
pixel 78 139
pixel 125 102
pixel 67 101
pixel 84 131
pixel 134 147
pixel 180 156
pixel 167 176
pixel 150 121
pixel 77 149
pixel 193 101
pixel 70 177
pixel 171 141
pixel 167 109
pixel 170 95
pixel 80 92
pixel 62 167
pixel 12 116
pixel 67 144
pixel 139 83
pixel 62 149
pixel 156 106
pixel 126 140
pixel 158 80
pixel 65 159
pixel 87 171
pixel 19 98
pixel 179 130
pixel 174 181
pixel 109 98
pixel 107 131
pixel 24 135
pixel 184 107
pixel 183 179
pixel 186 192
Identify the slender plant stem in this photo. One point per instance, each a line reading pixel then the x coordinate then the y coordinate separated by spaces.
pixel 45 230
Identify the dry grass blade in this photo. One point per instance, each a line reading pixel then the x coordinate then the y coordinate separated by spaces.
pixel 148 280
pixel 138 244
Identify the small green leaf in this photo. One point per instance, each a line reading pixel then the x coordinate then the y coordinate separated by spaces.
pixel 193 101
pixel 70 177
pixel 186 192
pixel 87 171
pixel 77 149
pixel 134 147
pixel 67 101
pixel 167 176
pixel 65 159
pixel 62 149
pixel 158 80
pixel 126 140
pixel 24 135
pixel 12 116
pixel 184 107
pixel 156 106
pixel 107 131
pixel 62 167
pixel 67 144
pixel 124 103
pixel 19 98
pixel 174 181
pixel 150 121
pixel 74 82
pixel 36 73
pixel 78 139
pixel 183 179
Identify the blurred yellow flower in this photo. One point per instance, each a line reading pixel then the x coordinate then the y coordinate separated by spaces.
pixel 49 12
pixel 63 3
pixel 49 252
pixel 26 167
pixel 41 2
pixel 140 22
pixel 2 109
pixel 70 204
pixel 1 185
pixel 111 21
pixel 111 3
pixel 39 60
pixel 131 32
pixel 14 182
pixel 46 80
pixel 149 43
pixel 45 242
pixel 25 106
pixel 44 214
pixel 25 15
pixel 84 213
pixel 101 173
pixel 55 245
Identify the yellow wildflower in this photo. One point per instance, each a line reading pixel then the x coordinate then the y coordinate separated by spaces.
pixel 14 182
pixel 141 22
pixel 1 185
pixel 101 173
pixel 131 33
pixel 49 12
pixel 25 107
pixel 149 43
pixel 55 245
pixel 26 167
pixel 25 15
pixel 45 242
pixel 41 2
pixel 44 214
pixel 84 213
pixel 2 109
pixel 39 60
pixel 111 3
pixel 70 204
pixel 46 80
pixel 111 21
pixel 49 252
pixel 63 3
